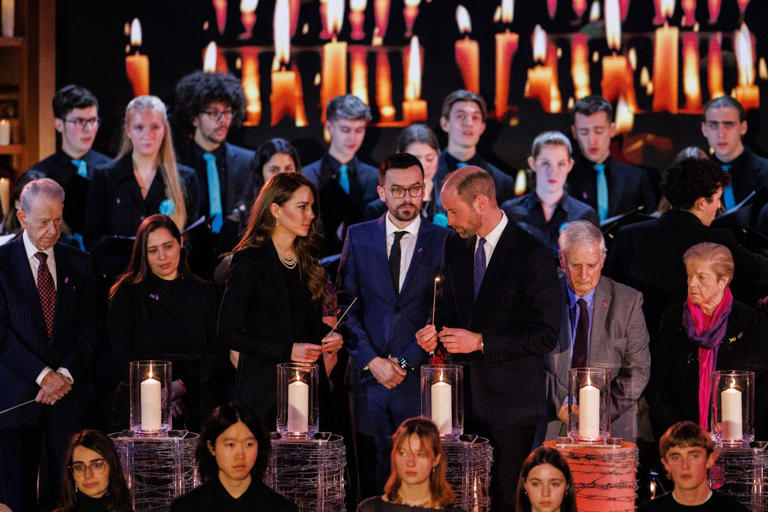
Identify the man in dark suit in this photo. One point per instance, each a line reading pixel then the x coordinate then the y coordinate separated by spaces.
pixel 209 104
pixel 76 119
pixel 500 316
pixel 463 120
pixel 724 123
pixel 648 256
pixel 45 349
pixel 390 265
pixel 346 184
pixel 602 325
pixel 608 186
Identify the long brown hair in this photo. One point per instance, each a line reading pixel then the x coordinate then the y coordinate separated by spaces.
pixel 138 268
pixel 545 455
pixel 118 497
pixel 166 158
pixel 279 189
pixel 439 488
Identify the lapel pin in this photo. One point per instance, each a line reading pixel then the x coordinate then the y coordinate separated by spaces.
pixel 66 280
pixel 117 200
pixel 605 303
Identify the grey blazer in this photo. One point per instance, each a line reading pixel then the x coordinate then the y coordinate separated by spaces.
pixel 619 342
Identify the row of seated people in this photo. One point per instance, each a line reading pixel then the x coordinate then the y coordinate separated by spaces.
pixel 273 305
pixel 234 450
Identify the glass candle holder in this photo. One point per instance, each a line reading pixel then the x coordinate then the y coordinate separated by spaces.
pixel 150 383
pixel 298 412
pixel 589 404
pixel 733 407
pixel 442 398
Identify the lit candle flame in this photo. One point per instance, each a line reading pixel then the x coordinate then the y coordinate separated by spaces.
pixel 744 58
pixel 613 24
pixel 358 5
pixel 667 9
pixel 150 371
pixel 209 60
pixel 645 76
pixel 437 279
pixel 625 119
pixel 539 44
pixel 594 12
pixel 334 15
pixel 135 32
pixel 412 3
pixel 282 30
pixel 633 58
pixel 507 11
pixel 248 6
pixel 763 69
pixel 463 20
pixel 521 183
pixel 413 82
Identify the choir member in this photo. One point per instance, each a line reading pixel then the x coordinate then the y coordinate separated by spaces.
pixel 547 210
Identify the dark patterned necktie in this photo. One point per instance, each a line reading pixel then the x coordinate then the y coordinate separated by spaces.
pixel 580 342
pixel 394 259
pixel 46 290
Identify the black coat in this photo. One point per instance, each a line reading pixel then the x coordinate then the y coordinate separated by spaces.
pixel 648 256
pixel 116 208
pixel 257 319
pixel 212 496
pixel 517 311
pixel 748 172
pixel 673 391
pixel 59 167
pixel 628 187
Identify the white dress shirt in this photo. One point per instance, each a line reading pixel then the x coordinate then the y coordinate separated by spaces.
pixel 407 244
pixel 492 238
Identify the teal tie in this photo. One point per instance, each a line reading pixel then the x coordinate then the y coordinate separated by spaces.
pixel 728 199
pixel 602 192
pixel 82 167
pixel 214 192
pixel 344 177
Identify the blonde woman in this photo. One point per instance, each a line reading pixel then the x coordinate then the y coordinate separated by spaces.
pixel 143 179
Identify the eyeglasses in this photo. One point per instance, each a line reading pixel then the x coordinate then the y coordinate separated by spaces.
pixel 82 122
pixel 398 192
pixel 218 114
pixel 97 466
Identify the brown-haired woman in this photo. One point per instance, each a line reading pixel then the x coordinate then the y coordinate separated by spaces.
pixel 93 478
pixel 159 310
pixel 271 311
pixel 417 481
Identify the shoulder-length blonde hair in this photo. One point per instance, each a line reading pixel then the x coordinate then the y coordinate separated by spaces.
pixel 166 158
pixel 279 189
pixel 439 488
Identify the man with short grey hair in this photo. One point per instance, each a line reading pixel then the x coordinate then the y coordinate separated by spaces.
pixel 601 325
pixel 346 184
pixel 47 340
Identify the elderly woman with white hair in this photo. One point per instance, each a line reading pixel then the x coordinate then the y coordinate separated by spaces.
pixel 709 331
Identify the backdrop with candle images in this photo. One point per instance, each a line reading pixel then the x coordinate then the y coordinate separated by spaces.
pixel 657 60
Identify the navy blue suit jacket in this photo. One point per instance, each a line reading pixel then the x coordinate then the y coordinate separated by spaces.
pixel 383 322
pixel 24 345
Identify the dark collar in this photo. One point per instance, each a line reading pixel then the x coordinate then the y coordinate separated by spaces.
pixel 198 152
pixel 453 162
pixel 737 163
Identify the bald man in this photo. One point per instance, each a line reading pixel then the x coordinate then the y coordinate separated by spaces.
pixel 498 316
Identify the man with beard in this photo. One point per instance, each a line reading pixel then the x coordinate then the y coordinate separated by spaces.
pixel 390 265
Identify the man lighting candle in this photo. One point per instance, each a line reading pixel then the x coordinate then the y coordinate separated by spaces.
pixel 498 315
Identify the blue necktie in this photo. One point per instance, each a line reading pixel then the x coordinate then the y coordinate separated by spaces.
pixel 728 199
pixel 82 167
pixel 602 192
pixel 214 192
pixel 479 265
pixel 344 177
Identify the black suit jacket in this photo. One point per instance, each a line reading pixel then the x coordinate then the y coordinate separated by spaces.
pixel 517 311
pixel 24 345
pixel 648 256
pixel 673 392
pixel 748 172
pixel 59 167
pixel 336 207
pixel 628 187
pixel 256 319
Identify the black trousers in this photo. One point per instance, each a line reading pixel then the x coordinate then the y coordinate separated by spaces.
pixel 510 448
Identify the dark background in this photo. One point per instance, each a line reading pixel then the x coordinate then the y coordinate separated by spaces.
pixel 91 46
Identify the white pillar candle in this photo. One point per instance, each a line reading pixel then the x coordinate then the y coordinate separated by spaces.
pixel 298 406
pixel 730 400
pixel 7 16
pixel 589 412
pixel 5 132
pixel 442 414
pixel 5 194
pixel 150 404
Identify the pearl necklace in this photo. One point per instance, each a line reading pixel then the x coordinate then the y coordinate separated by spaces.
pixel 289 261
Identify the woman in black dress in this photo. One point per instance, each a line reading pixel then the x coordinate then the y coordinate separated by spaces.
pixel 272 307
pixel 93 479
pixel 159 310
pixel 232 455
pixel 143 179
